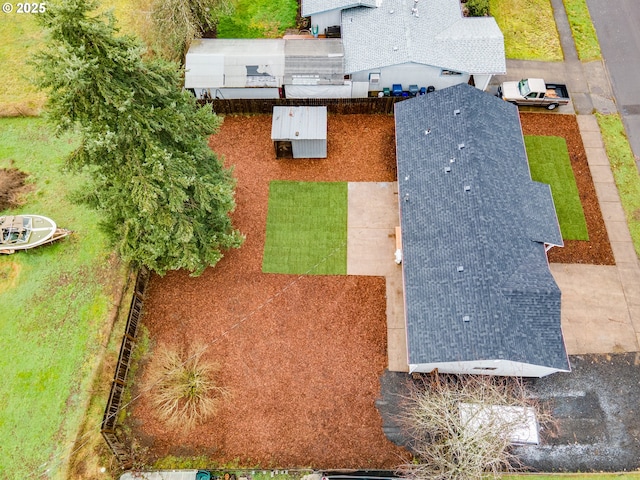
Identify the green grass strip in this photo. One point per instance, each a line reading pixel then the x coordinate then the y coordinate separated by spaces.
pixel 529 29
pixel 624 170
pixel 55 302
pixel 306 228
pixel 258 19
pixel 584 34
pixel 549 163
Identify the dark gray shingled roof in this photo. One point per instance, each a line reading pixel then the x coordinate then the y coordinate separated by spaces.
pixel 467 202
pixel 311 7
pixel 308 62
pixel 439 36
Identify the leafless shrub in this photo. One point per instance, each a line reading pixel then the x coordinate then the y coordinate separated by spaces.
pixel 452 444
pixel 178 22
pixel 184 391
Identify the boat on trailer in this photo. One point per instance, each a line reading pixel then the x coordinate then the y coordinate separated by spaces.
pixel 21 232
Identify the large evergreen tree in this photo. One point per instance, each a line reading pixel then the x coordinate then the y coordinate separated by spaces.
pixel 165 196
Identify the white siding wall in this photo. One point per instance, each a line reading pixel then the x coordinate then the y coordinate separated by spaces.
pixel 318 91
pixel 229 93
pixel 309 148
pixel 486 367
pixel 326 19
pixel 411 74
pixel 482 81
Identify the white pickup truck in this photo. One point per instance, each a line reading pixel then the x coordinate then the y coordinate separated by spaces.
pixel 534 92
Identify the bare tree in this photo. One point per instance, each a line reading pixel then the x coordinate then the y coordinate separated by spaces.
pixel 462 427
pixel 178 22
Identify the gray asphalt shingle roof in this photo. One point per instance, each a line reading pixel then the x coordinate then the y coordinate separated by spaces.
pixel 439 36
pixel 472 226
pixel 311 7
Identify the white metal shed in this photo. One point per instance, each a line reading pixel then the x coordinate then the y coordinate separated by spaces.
pixel 299 132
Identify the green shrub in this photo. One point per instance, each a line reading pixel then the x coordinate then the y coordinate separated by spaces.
pixel 478 8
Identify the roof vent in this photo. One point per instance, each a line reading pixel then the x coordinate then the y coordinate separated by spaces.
pixel 456 112
pixel 427 131
pixel 467 188
pixel 406 179
pixel 460 146
pixel 452 160
pixel 466 318
pixel 406 197
pixel 447 169
pixel 460 268
pixel 391 12
pixel 395 48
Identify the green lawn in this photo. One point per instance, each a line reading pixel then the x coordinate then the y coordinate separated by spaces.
pixel 584 34
pixel 624 170
pixel 549 163
pixel 258 18
pixel 55 305
pixel 306 228
pixel 529 29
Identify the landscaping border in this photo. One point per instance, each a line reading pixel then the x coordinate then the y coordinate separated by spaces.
pixel 109 427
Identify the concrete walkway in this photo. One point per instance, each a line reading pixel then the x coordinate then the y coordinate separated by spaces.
pixel 601 304
pixel 372 217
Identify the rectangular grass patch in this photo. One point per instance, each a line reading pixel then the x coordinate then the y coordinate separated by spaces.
pixel 306 228
pixel 549 163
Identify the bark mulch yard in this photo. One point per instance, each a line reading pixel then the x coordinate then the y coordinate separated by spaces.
pixel 301 355
pixel 597 250
pixel 303 369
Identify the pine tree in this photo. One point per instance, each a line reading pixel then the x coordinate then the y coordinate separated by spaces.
pixel 164 195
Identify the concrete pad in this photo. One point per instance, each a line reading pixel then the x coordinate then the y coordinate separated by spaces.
pixel 592 140
pixel 601 173
pixel 397 350
pixel 370 251
pixel 618 232
pixel 372 218
pixel 371 221
pixel 588 123
pixel 623 252
pixel 607 192
pixel 630 279
pixel 595 317
pixel 373 204
pixel 597 156
pixel 395 300
pixel 612 211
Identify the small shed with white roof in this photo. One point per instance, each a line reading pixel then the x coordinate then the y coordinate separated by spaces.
pixel 299 132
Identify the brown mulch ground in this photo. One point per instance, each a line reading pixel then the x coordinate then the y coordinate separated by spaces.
pixel 303 369
pixel 301 356
pixel 597 250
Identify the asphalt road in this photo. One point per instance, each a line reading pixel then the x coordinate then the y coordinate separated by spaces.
pixel 617 24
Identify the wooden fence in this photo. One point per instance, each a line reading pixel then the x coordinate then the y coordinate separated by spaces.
pixel 110 431
pixel 342 106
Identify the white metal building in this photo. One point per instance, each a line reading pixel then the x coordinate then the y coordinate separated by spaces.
pixel 299 132
pixel 235 68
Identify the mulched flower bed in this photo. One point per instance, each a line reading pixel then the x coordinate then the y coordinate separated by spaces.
pixel 597 250
pixel 301 355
